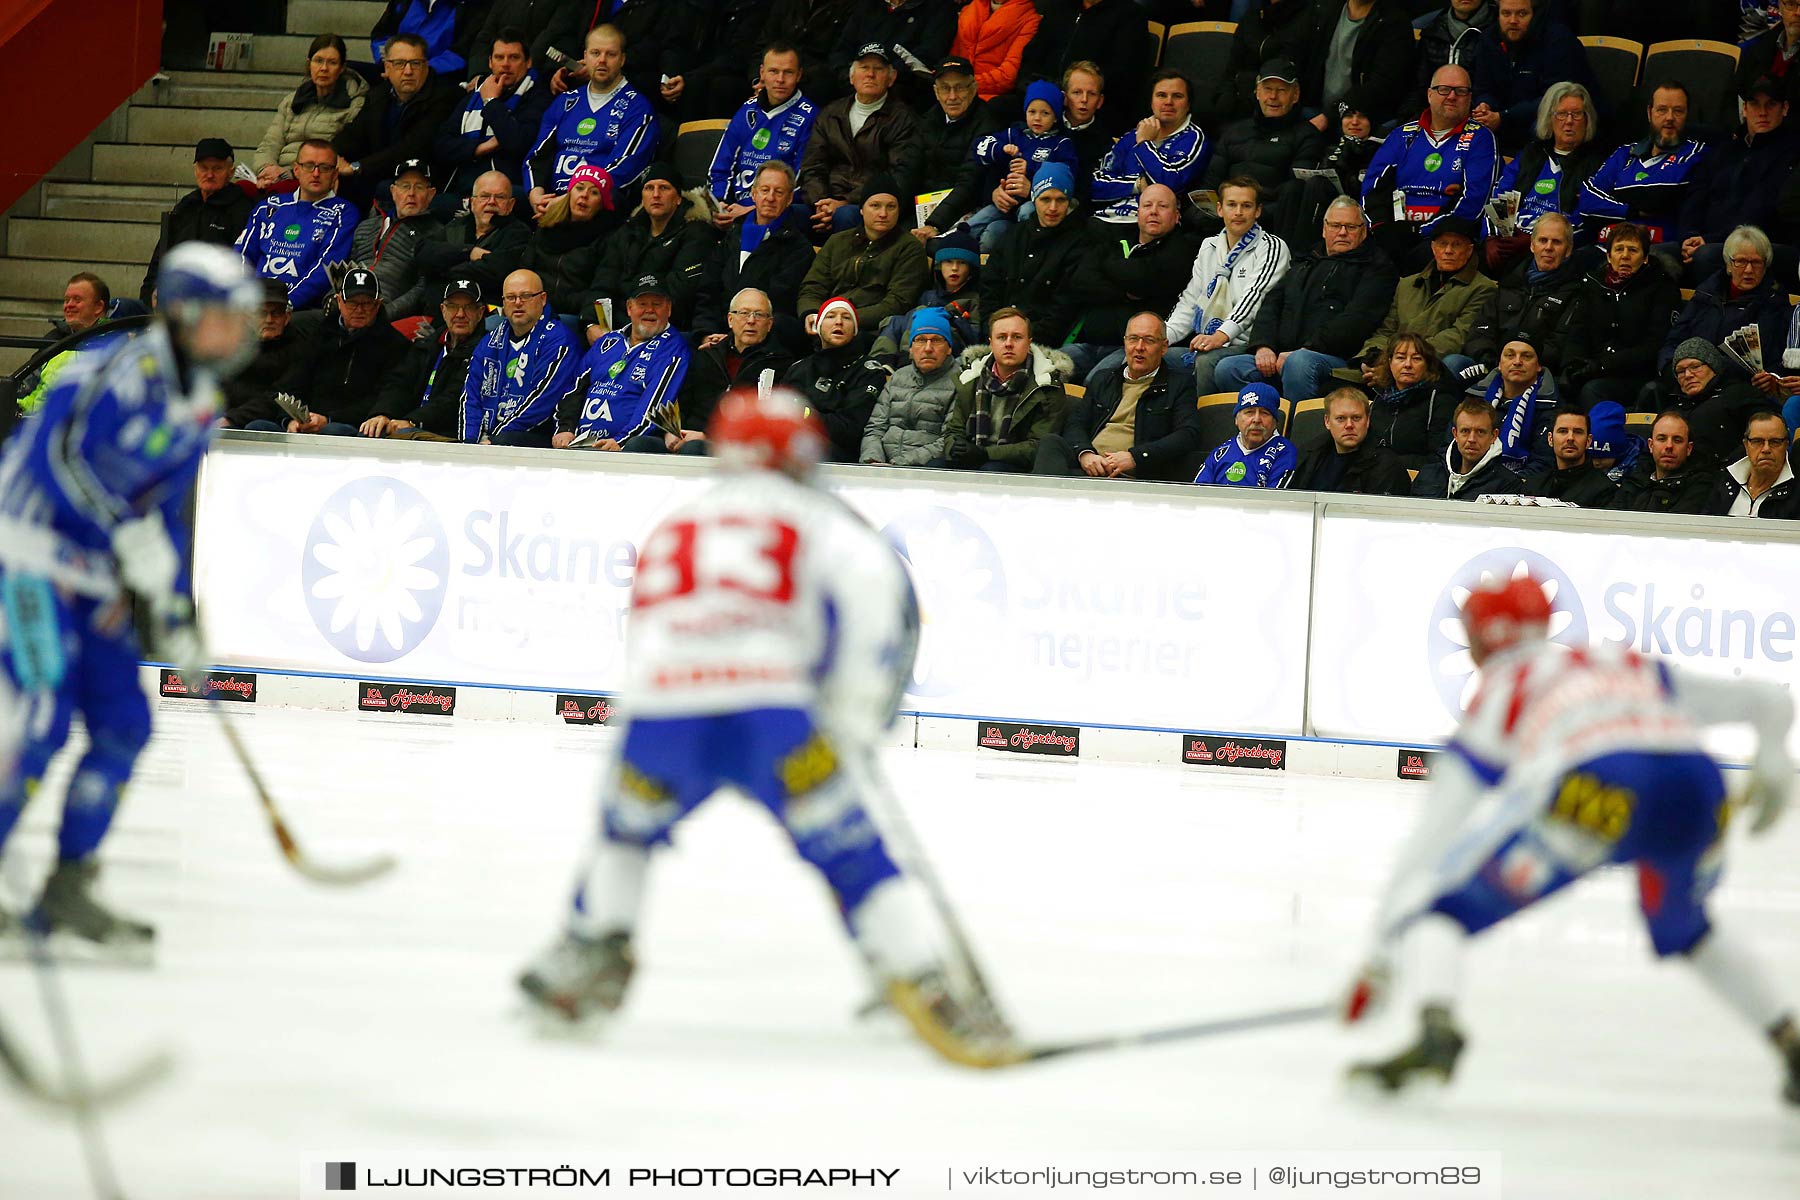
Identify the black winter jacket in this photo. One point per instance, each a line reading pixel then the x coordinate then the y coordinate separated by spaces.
pixel 1440 46
pixel 1266 149
pixel 564 256
pixel 446 256
pixel 340 371
pixel 813 26
pixel 841 385
pixel 1716 419
pixel 216 220
pixel 778 266
pixel 1619 333
pixel 924 28
pixel 1742 182
pixel 709 377
pixel 1381 65
pixel 1542 309
pixel 1713 315
pixel 1111 35
pixel 1329 303
pixel 1494 477
pixel 1033 270
pixel 426 387
pixel 545 23
pixel 1586 485
pixel 1687 491
pixel 1124 278
pixel 945 163
pixel 1415 423
pixel 250 394
pixel 1277 29
pixel 367 142
pixel 1781 504
pixel 678 256
pixel 1166 429
pixel 1368 470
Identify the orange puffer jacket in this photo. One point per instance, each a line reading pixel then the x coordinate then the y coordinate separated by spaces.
pixel 994 40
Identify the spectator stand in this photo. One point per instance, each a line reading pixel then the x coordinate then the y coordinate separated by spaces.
pixel 1154 32
pixel 1706 69
pixel 1307 424
pixel 1218 419
pixel 695 144
pixel 1201 50
pixel 1615 62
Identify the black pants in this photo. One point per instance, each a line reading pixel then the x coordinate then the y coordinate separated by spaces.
pixel 1055 456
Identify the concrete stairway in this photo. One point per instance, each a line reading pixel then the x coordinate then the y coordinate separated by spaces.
pixel 100 208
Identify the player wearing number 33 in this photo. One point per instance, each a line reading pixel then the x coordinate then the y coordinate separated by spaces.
pixel 1568 760
pixel 772 634
pixel 91 492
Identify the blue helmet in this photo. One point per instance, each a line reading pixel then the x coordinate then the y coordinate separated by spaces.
pixel 196 279
pixel 195 274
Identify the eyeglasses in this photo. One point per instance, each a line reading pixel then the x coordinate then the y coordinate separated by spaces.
pixel 1765 443
pixel 944 85
pixel 1690 368
pixel 1344 226
pixel 326 60
pixel 324 166
pixel 519 297
pixel 1578 115
pixel 499 196
pixel 462 306
pixel 1744 264
pixel 406 64
pixel 1446 91
pixel 1142 339
pixel 751 314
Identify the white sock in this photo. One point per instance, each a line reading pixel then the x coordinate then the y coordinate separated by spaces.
pixel 897 930
pixel 1731 970
pixel 611 889
pixel 1431 959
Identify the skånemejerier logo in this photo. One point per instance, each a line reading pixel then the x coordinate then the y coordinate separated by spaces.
pixel 375 568
pixel 1447 645
pixel 955 565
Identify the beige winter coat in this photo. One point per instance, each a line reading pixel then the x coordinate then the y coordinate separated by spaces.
pixel 280 144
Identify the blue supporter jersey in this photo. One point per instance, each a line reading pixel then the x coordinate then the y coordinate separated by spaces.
pixel 293 240
pixel 1035 148
pixel 618 136
pixel 753 138
pixel 514 384
pixel 1174 162
pixel 1433 176
pixel 1536 196
pixel 626 386
pixel 1640 184
pixel 1270 465
pixel 120 436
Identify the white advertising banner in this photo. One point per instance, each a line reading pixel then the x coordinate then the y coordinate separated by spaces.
pixel 1389 661
pixel 1039 603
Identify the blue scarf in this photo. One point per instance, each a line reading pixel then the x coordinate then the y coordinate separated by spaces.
pixel 1213 324
pixel 1517 417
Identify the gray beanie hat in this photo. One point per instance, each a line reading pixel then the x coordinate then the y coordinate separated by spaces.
pixel 1700 350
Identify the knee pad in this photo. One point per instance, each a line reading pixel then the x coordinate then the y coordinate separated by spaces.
pixel 639 810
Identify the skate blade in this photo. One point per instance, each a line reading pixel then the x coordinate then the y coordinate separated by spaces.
pixel 553 1024
pixel 1364 1085
pixel 65 949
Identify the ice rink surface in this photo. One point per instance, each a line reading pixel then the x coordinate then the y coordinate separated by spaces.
pixel 313 1024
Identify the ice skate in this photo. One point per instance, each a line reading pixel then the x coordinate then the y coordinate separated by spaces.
pixel 1788 1042
pixel 76 927
pixel 1434 1054
pixel 578 978
pixel 967 1032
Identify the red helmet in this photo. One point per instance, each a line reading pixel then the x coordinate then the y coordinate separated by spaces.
pixel 776 431
pixel 1498 615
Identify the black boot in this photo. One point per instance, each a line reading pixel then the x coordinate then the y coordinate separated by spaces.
pixel 1435 1053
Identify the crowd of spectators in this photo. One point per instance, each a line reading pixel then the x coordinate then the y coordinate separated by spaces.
pixel 995 235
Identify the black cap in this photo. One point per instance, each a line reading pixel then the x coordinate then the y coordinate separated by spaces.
pixel 414 164
pixel 1279 68
pixel 463 287
pixel 360 281
pixel 879 50
pixel 276 292
pixel 1762 85
pixel 1457 225
pixel 213 148
pixel 664 172
pixel 1529 338
pixel 954 65
pixel 648 285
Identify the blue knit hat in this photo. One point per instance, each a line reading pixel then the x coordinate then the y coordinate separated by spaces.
pixel 1048 92
pixel 929 320
pixel 1606 429
pixel 956 246
pixel 1258 395
pixel 1054 175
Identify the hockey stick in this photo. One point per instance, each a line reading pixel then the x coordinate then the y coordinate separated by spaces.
pixel 28 1079
pixel 290 848
pixel 1180 1033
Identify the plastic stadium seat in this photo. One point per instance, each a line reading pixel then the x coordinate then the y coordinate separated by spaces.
pixel 1639 423
pixel 695 144
pixel 1707 69
pixel 1153 35
pixel 1074 391
pixel 1218 419
pixel 1307 425
pixel 1202 49
pixel 1615 62
pixel 407 326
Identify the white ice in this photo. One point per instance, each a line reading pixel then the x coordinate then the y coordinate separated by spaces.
pixel 313 1024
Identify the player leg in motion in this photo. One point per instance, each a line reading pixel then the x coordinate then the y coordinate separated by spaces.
pixel 771 635
pixel 91 489
pixel 1584 758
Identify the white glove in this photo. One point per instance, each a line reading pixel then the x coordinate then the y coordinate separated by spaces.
pixel 148 563
pixel 178 643
pixel 1771 783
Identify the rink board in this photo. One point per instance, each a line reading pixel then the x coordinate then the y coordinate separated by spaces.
pixel 1112 608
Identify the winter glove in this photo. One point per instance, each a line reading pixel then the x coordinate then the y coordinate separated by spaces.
pixel 969 457
pixel 1771 783
pixel 426 333
pixel 1368 991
